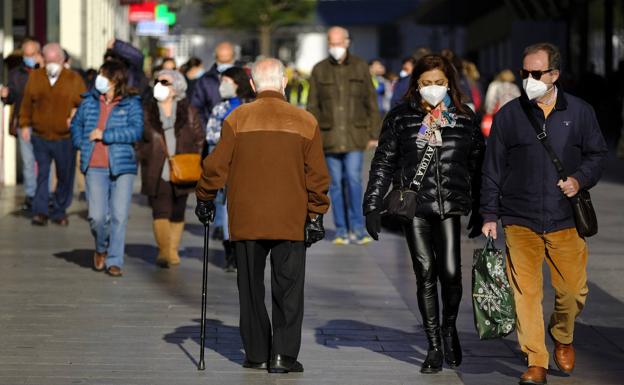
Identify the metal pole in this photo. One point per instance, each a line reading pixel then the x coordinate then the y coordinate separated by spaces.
pixel 202 334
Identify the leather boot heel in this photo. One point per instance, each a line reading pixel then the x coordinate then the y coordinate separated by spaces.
pixel 433 362
pixel 452 347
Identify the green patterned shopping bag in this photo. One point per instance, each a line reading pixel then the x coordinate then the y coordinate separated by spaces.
pixel 492 297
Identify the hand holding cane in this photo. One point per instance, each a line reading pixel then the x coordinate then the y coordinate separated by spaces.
pixel 205 211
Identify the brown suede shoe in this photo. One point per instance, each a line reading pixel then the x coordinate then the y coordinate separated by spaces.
pixel 535 375
pixel 99 260
pixel 114 271
pixel 564 357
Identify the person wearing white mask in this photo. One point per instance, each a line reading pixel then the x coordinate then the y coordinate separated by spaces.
pixel 234 90
pixel 105 128
pixel 522 188
pixel 343 100
pixel 206 90
pixel 51 96
pixel 172 127
pixel 431 140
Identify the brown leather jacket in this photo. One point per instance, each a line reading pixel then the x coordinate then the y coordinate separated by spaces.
pixel 152 153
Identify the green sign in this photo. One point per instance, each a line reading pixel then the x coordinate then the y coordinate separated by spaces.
pixel 163 14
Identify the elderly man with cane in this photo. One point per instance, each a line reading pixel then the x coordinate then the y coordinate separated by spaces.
pixel 271 157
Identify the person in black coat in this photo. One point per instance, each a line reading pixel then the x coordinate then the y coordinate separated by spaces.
pixel 431 115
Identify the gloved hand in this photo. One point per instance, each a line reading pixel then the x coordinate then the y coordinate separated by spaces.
pixel 205 211
pixel 373 224
pixel 314 230
pixel 475 223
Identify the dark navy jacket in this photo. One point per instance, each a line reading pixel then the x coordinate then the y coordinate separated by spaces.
pixel 206 94
pixel 519 181
pixel 124 128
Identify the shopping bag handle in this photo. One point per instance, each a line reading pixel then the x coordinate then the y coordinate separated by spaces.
pixel 489 243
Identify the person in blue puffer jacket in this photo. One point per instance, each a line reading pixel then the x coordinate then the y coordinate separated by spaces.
pixel 105 128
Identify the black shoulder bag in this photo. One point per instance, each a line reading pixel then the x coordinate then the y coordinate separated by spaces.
pixel 400 203
pixel 584 213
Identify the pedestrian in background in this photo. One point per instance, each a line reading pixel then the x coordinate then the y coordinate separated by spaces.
pixel 12 94
pixel 432 116
pixel 501 91
pixel 382 85
pixel 270 154
pixel 192 70
pixel 132 59
pixel 50 98
pixel 401 87
pixel 105 128
pixel 521 187
pixel 171 127
pixel 206 93
pixel 234 90
pixel 344 102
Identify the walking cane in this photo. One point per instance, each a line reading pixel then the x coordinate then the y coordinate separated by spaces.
pixel 202 334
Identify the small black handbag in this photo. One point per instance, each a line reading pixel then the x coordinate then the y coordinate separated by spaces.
pixel 584 213
pixel 400 203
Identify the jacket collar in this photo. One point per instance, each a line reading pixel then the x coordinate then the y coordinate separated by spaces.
pixel 95 95
pixel 270 94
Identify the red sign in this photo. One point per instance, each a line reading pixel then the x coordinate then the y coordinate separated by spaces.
pixel 142 12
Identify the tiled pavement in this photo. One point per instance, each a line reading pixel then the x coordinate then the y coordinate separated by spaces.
pixel 62 323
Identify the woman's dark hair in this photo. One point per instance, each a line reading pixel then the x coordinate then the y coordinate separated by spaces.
pixel 241 78
pixel 432 62
pixel 117 73
pixel 193 62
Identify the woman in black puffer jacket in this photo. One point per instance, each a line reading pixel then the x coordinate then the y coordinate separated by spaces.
pixel 432 114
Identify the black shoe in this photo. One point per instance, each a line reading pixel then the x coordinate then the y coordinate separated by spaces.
pixel 255 365
pixel 452 348
pixel 217 233
pixel 284 364
pixel 39 220
pixel 433 362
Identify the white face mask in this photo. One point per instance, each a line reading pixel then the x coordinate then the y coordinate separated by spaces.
pixel 102 84
pixel 161 92
pixel 53 69
pixel 534 88
pixel 227 90
pixel 433 94
pixel 337 52
pixel 403 73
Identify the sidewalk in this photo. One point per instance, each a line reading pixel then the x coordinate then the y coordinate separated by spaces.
pixel 63 323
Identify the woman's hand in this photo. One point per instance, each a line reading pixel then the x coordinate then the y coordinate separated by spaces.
pixel 373 224
pixel 96 135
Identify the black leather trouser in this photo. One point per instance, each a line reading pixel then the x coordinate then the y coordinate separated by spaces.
pixel 434 245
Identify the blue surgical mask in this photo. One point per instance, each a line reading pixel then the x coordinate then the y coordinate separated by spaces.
pixel 30 61
pixel 221 67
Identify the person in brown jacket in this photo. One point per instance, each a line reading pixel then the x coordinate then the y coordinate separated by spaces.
pixel 171 127
pixel 51 97
pixel 271 157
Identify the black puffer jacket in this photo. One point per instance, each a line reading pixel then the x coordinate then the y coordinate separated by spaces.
pixel 451 181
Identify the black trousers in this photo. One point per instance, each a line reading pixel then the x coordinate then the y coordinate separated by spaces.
pixel 434 245
pixel 166 204
pixel 287 281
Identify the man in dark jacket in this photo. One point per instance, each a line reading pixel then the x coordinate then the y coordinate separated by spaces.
pixel 521 187
pixel 12 94
pixel 206 92
pixel 271 156
pixel 344 101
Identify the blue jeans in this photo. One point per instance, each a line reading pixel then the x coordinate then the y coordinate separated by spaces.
pixel 108 200
pixel 28 165
pixel 346 170
pixel 221 215
pixel 64 156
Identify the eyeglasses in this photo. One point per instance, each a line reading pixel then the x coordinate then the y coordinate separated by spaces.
pixel 164 82
pixel 537 75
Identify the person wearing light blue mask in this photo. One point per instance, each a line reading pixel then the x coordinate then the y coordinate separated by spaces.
pixel 12 95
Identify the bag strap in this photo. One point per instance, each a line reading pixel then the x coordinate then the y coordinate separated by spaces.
pixel 543 138
pixel 422 168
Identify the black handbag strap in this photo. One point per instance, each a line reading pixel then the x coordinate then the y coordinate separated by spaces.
pixel 421 170
pixel 543 138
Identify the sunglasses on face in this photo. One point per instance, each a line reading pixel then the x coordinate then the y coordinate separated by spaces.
pixel 537 75
pixel 164 82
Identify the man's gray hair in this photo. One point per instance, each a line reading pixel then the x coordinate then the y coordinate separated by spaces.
pixel 179 83
pixel 56 49
pixel 268 74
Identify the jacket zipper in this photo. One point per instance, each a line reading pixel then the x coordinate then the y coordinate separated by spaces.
pixel 439 184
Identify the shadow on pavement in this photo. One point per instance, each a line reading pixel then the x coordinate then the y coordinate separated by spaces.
pixel 222 339
pixel 81 257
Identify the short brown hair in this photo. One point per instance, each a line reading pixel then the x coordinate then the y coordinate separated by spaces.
pixel 554 57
